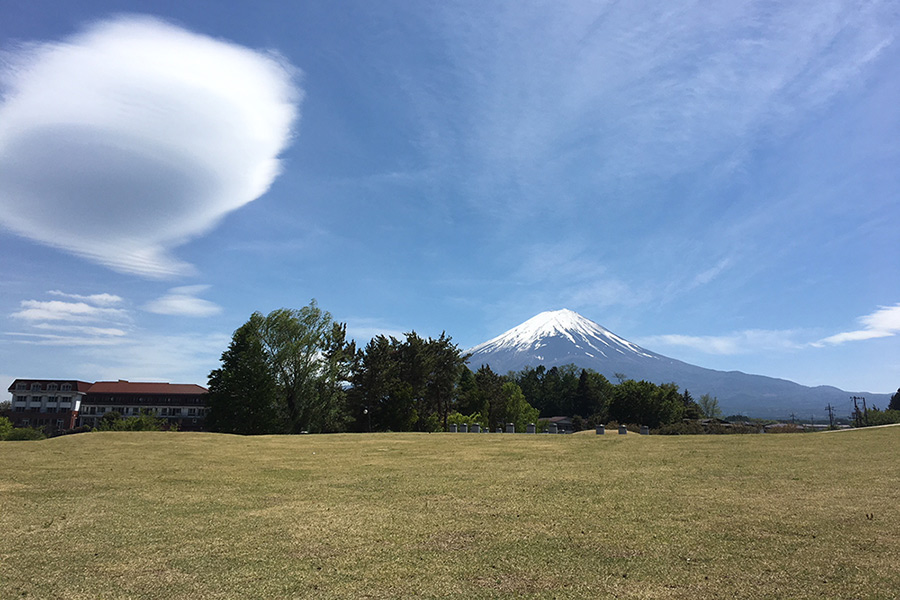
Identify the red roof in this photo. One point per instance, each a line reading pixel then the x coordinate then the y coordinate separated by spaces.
pixel 78 386
pixel 136 387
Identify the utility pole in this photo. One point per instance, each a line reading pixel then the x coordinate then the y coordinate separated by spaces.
pixel 857 415
pixel 830 410
pixel 792 418
pixel 865 412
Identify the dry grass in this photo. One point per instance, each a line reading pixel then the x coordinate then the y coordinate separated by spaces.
pixel 197 516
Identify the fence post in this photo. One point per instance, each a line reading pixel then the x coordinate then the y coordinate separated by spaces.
pixel 622 430
pixel 531 428
pixel 601 429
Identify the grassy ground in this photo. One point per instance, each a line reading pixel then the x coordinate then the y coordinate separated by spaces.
pixel 197 516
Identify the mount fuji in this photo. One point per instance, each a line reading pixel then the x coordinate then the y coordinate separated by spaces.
pixel 561 337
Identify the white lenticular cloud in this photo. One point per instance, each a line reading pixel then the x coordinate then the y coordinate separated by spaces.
pixel 183 301
pixel 135 136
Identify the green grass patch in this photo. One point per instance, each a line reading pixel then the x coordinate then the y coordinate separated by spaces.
pixel 197 516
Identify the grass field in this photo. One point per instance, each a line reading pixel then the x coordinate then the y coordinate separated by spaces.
pixel 197 516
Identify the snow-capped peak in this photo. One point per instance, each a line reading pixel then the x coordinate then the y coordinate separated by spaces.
pixel 568 324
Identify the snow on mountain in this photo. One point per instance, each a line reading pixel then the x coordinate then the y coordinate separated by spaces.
pixel 583 333
pixel 561 337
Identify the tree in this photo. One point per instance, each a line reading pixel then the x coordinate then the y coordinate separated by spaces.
pixel 517 410
pixel 592 396
pixel 243 396
pixel 691 408
pixel 5 427
pixel 490 395
pixel 895 401
pixel 709 406
pixel 283 372
pixel 408 385
pixel 645 403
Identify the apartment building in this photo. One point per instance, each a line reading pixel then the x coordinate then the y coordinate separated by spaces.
pixel 53 405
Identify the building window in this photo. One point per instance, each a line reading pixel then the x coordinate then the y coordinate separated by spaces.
pixel 51 387
pixel 176 411
pixel 192 412
pixel 21 386
pixel 35 387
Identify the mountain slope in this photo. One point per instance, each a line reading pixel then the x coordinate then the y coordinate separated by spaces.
pixel 556 338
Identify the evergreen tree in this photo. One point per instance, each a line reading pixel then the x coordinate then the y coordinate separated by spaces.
pixel 592 396
pixel 242 393
pixel 691 408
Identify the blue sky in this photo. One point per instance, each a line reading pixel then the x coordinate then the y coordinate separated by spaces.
pixel 718 184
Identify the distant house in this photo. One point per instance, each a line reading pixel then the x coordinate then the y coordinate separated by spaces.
pixel 56 405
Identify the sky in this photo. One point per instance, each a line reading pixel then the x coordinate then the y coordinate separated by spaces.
pixel 718 183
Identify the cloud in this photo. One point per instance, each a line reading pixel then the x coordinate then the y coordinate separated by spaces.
pixel 708 275
pixel 884 322
pixel 58 310
pixel 80 321
pixel 122 142
pixel 186 358
pixel 97 299
pixel 625 94
pixel 740 342
pixel 364 329
pixel 182 301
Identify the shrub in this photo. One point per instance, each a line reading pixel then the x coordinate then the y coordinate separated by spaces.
pixel 19 434
pixel 458 419
pixel 79 429
pixel 5 427
pixel 683 428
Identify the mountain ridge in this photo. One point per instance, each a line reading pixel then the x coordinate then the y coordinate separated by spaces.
pixel 556 338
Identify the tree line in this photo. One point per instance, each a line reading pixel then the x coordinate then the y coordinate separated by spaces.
pixel 294 371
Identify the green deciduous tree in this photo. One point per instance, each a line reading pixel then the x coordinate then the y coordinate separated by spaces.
pixel 283 372
pixel 709 406
pixel 517 409
pixel 645 403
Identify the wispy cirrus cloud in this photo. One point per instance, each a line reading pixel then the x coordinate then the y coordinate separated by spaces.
pixel 571 103
pixel 884 322
pixel 126 140
pixel 184 301
pixel 740 342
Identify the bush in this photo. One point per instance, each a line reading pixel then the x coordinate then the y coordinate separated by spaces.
pixel 883 417
pixel 79 429
pixel 20 434
pixel 458 419
pixel 683 428
pixel 5 427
